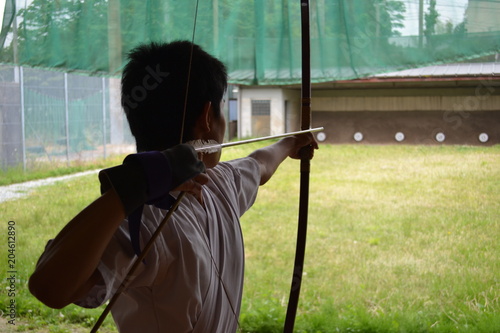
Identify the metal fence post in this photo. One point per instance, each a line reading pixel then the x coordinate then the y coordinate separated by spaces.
pixel 104 115
pixel 23 135
pixel 66 111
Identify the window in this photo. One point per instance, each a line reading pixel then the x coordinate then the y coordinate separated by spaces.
pixel 261 117
pixel 261 107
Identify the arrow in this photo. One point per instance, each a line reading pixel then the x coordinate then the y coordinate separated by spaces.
pixel 211 146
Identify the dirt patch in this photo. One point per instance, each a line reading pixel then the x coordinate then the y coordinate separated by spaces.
pixel 5 327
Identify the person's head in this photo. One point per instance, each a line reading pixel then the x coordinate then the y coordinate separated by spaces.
pixel 154 94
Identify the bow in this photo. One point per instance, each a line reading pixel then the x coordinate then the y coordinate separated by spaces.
pixel 304 172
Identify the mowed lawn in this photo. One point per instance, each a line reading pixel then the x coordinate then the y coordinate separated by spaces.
pixel 400 239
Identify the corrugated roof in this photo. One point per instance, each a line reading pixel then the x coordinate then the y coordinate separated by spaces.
pixel 448 70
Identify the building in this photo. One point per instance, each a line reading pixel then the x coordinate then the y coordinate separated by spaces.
pixel 449 104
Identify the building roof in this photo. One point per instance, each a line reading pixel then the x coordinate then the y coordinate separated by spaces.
pixel 448 70
pixel 464 72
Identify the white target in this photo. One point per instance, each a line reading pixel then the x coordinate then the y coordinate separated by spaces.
pixel 483 137
pixel 440 137
pixel 400 136
pixel 358 136
pixel 321 136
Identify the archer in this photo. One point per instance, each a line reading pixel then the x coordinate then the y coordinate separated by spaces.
pixel 192 279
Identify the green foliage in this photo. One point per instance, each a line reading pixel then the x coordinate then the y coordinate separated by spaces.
pixel 400 239
pixel 431 18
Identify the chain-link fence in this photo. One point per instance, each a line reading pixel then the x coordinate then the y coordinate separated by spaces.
pixel 53 116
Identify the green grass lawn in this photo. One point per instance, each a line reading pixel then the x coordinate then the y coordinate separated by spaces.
pixel 400 239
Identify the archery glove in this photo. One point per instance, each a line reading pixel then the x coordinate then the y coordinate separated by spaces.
pixel 148 177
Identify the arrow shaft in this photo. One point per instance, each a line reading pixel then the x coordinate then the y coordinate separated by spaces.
pixel 216 146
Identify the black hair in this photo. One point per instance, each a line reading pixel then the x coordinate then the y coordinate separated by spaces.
pixel 154 91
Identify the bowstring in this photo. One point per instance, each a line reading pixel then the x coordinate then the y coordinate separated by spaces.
pixel 139 259
pixel 189 72
pixel 217 271
pixel 124 283
pixel 214 264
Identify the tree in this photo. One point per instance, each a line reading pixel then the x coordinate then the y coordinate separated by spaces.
pixel 391 17
pixel 431 19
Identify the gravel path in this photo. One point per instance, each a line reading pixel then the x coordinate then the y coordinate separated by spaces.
pixel 16 191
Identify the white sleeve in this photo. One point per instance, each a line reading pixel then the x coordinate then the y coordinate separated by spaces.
pixel 246 173
pixel 118 259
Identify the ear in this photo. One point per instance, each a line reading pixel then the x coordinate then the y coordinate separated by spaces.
pixel 205 118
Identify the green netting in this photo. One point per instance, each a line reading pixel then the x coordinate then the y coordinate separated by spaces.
pixel 258 40
pixel 7 12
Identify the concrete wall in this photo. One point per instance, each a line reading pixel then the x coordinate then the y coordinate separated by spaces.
pixel 411 127
pixel 458 111
pixel 277 97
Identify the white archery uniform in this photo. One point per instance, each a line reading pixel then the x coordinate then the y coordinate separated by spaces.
pixel 192 278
